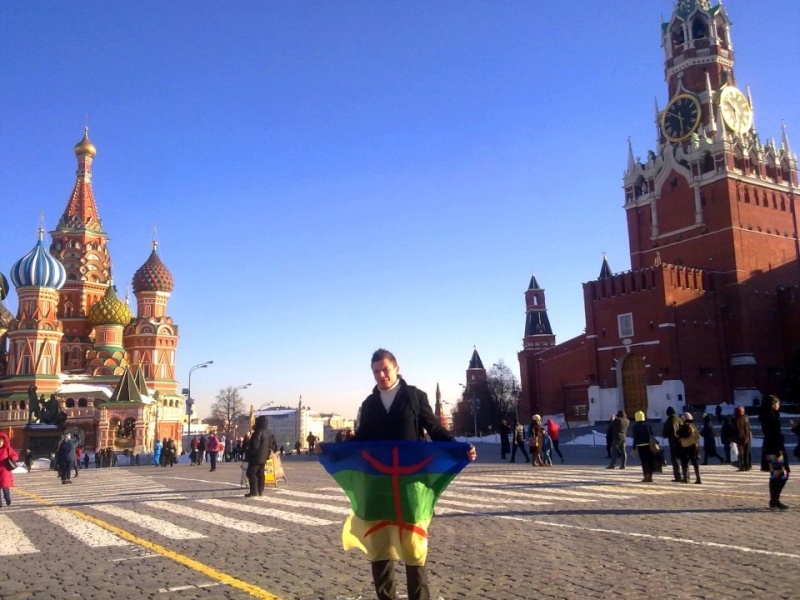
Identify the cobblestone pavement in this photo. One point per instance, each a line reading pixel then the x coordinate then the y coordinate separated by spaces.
pixel 502 531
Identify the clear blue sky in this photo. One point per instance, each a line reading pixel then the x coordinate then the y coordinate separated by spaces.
pixel 331 177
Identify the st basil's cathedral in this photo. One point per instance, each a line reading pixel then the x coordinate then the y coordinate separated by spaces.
pixel 75 350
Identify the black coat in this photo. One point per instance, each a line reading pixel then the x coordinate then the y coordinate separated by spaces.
pixel 260 443
pixel 400 423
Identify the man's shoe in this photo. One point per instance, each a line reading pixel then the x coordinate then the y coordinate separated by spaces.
pixel 250 495
pixel 610 467
pixel 780 505
pixel 621 468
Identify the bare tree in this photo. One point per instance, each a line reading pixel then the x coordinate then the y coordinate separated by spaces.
pixel 227 408
pixel 503 389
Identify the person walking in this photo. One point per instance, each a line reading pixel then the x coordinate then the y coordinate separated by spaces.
pixel 201 450
pixel 535 441
pixel 77 464
pixel 193 450
pixel 725 431
pixel 670 432
pixel 774 449
pixel 553 429
pixel 742 437
pixel 689 439
pixel 397 411
pixel 505 446
pixel 6 472
pixel 212 447
pixel 257 454
pixel 641 445
pixel 619 436
pixel 709 440
pixel 519 442
pixel 157 453
pixel 610 436
pixel 65 458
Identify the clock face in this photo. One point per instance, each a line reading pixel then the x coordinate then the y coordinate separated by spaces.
pixel 681 118
pixel 735 109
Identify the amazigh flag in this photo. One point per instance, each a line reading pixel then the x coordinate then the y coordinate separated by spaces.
pixel 393 487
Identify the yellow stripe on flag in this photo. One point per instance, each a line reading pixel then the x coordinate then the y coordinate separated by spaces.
pixel 384 540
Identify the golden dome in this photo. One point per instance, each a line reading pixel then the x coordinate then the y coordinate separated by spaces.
pixel 110 310
pixel 85 147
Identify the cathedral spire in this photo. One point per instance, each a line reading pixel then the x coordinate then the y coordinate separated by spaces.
pixel 785 141
pixel 81 210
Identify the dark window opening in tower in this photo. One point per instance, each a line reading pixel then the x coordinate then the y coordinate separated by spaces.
pixel 721 34
pixel 699 28
pixel 82 403
pixel 70 402
pixel 677 35
pixel 708 163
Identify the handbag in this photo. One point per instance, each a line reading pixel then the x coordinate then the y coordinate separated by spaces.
pixel 12 464
pixel 693 438
pixel 654 447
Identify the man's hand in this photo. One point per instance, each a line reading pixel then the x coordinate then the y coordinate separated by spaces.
pixel 472 454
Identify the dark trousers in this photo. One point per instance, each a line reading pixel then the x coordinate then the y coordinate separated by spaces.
pixel 521 448
pixel 7 496
pixel 618 451
pixel 212 456
pixel 555 447
pixel 416 580
pixel 255 477
pixel 66 470
pixel 674 449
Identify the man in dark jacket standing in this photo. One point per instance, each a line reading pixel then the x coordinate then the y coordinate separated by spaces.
pixel 65 459
pixel 257 454
pixel 670 431
pixel 398 411
pixel 619 434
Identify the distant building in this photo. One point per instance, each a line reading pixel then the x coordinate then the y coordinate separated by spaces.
pixel 708 313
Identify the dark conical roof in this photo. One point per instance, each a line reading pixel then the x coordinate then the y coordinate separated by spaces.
pixel 605 270
pixel 475 361
pixel 126 389
pixel 534 285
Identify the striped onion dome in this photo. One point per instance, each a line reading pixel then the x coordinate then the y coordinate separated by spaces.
pixel 153 275
pixel 110 310
pixel 5 317
pixel 39 268
pixel 3 287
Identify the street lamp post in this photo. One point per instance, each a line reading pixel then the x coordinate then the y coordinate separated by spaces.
pixel 189 400
pixel 236 417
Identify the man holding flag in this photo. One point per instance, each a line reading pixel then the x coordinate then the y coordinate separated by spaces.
pixel 393 487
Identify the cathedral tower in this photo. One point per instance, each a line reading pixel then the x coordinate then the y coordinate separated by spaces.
pixel 35 335
pixel 151 338
pixel 81 245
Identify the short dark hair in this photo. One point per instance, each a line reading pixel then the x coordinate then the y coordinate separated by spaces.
pixel 382 353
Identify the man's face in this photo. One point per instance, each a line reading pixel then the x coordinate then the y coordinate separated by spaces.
pixel 385 373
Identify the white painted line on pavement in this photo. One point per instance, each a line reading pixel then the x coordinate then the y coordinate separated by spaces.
pixel 341 497
pixel 338 510
pixel 253 507
pixel 14 541
pixel 667 538
pixel 159 526
pixel 212 518
pixel 90 534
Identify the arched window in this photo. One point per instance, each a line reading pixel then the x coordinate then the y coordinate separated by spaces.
pixel 70 402
pixel 699 28
pixel 82 403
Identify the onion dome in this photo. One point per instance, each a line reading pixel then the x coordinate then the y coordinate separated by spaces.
pixel 153 275
pixel 3 287
pixel 85 147
pixel 38 268
pixel 110 310
pixel 5 317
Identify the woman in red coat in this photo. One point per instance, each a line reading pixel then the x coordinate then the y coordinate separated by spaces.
pixel 552 431
pixel 6 477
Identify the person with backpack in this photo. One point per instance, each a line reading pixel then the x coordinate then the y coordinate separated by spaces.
pixel 397 411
